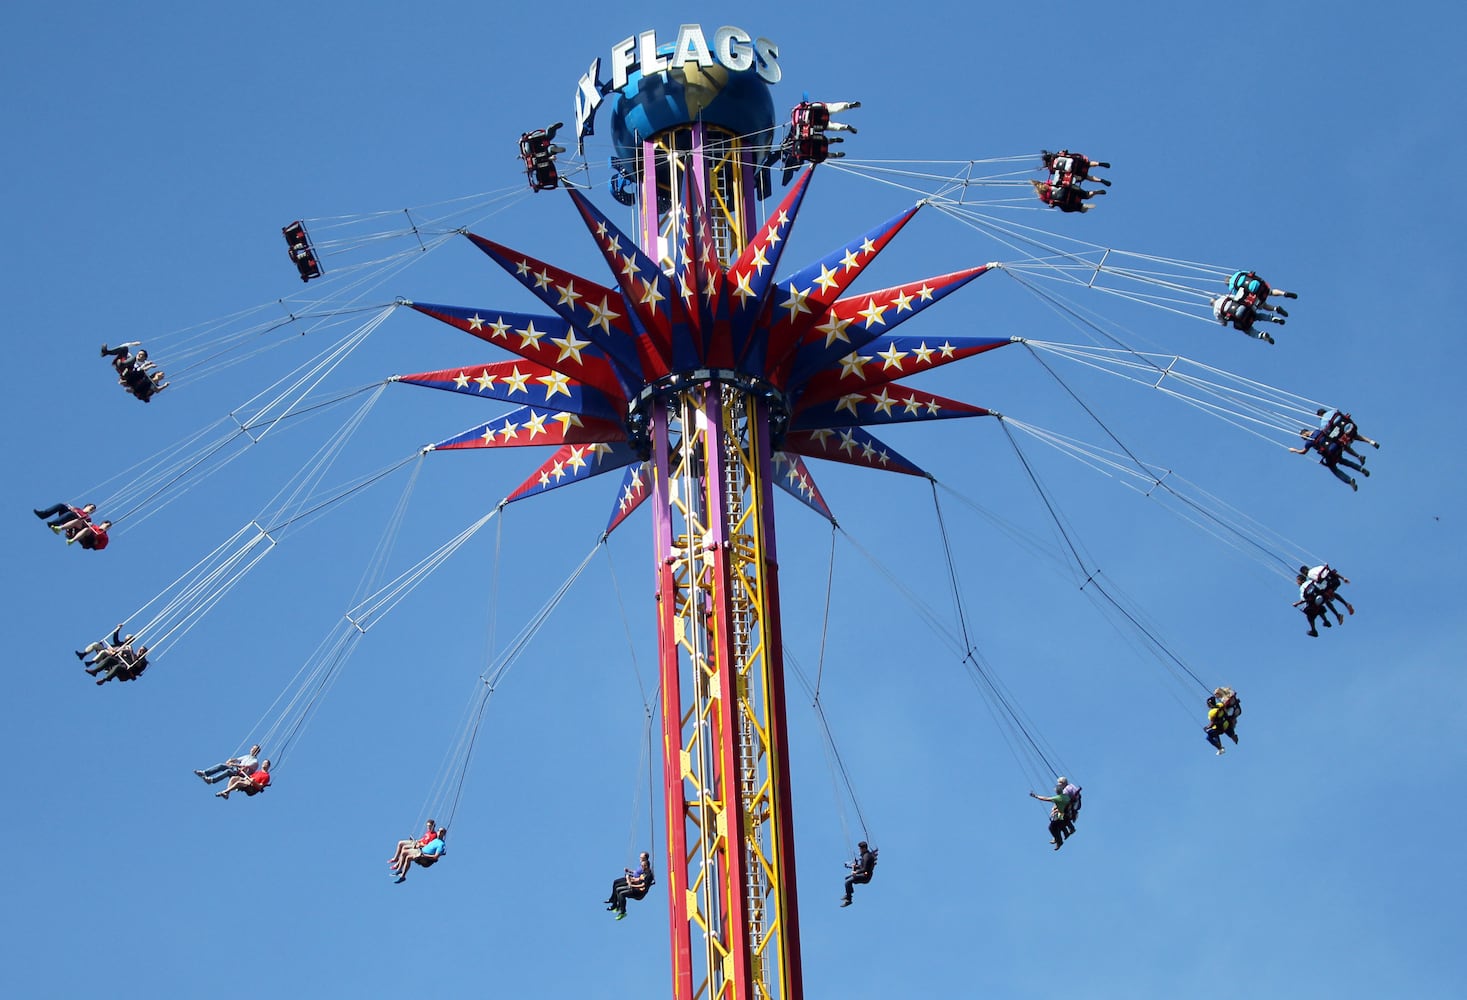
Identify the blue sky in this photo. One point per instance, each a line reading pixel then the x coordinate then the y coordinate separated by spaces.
pixel 154 156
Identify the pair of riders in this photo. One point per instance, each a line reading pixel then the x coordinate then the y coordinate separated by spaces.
pixel 1318 590
pixel 135 372
pixel 1063 187
pixel 75 523
pixel 116 659
pixel 1223 711
pixel 423 852
pixel 1246 303
pixel 538 150
pixel 1064 810
pixel 806 141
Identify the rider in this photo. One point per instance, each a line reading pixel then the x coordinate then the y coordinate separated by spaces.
pixel 861 868
pixel 632 885
pixel 1059 803
pixel 538 149
pixel 1241 315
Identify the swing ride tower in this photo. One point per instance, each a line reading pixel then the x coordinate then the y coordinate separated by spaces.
pixel 700 375
pixel 726 783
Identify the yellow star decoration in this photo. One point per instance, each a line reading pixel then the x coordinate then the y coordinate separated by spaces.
pixel 485 380
pixel 544 479
pixel 601 229
pixel 912 404
pixel 567 421
pixel 759 262
pixel 558 471
pixel 575 461
pixel 522 268
pixel 570 346
pixel 568 294
pixel 868 452
pixel 872 313
pixel 460 381
pixel 947 349
pixel 650 295
pixel 834 329
pixel 796 302
pixel 536 424
pixel 923 353
pixel 854 364
pixel 475 321
pixel 742 289
pixel 516 382
pixel 822 435
pixel 892 357
pixel 924 293
pixel 848 402
pixel 848 442
pixel 867 247
pixel 599 450
pixel 883 402
pixel 850 261
pixel 488 437
pixel 902 301
pixel 554 383
pixel 499 329
pixel 932 407
pixel 827 279
pixel 542 279
pixel 529 335
pixel 629 265
pixel 509 431
pixel 613 246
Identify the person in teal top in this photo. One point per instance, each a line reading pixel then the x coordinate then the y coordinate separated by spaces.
pixel 425 856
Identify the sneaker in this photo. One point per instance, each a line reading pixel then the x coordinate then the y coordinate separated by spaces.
pixel 1339 618
pixel 55 527
pixel 1281 310
pixel 202 775
pixel 399 880
pixel 1291 295
pixel 104 351
pixel 220 795
pixel 845 902
pixel 1375 444
pixel 1268 338
pixel 1364 471
pixel 1220 751
pixel 1313 633
pixel 620 915
pixel 1354 486
pixel 1105 165
pixel 1102 180
pixel 1058 844
pixel 1326 623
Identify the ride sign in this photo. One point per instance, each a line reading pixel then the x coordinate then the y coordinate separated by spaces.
pixel 733 48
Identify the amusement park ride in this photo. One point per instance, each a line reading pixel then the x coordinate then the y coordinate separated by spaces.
pixel 708 384
pixel 711 383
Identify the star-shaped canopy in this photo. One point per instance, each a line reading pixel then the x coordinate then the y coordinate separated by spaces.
pixel 833 357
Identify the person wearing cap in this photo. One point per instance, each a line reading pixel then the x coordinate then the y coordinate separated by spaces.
pixel 861 868
pixel 244 764
pixel 1059 802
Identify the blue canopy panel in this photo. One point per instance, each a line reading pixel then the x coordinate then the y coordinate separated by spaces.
pixel 636 486
pixel 808 294
pixel 574 463
pixel 888 404
pixel 644 286
pixel 855 321
pixel 598 312
pixel 853 446
pixel 546 340
pixel 887 359
pixel 521 382
pixel 531 425
pixel 792 476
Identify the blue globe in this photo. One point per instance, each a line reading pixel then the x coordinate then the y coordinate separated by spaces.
pixel 738 101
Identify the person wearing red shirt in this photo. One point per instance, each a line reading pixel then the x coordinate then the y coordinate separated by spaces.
pixel 403 846
pixel 250 784
pixel 91 536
